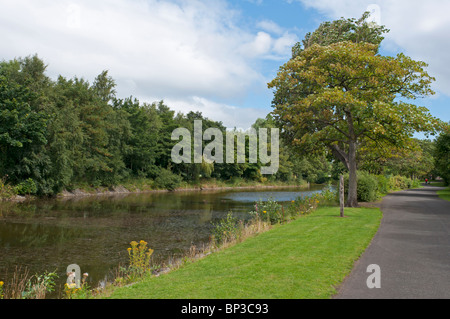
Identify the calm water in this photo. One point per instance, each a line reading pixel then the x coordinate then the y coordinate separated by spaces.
pixel 95 232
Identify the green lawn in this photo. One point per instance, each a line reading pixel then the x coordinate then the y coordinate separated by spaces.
pixel 445 194
pixel 306 259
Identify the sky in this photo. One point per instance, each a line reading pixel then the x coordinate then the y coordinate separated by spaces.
pixel 212 56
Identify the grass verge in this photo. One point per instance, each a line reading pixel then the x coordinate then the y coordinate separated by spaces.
pixel 305 259
pixel 444 194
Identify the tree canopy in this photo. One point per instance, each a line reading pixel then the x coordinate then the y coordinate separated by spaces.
pixel 66 133
pixel 342 95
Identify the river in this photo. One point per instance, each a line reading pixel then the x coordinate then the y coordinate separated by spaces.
pixel 94 232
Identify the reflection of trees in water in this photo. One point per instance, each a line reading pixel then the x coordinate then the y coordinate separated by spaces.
pixel 95 232
pixel 36 235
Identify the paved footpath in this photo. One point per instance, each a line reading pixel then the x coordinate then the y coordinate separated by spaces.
pixel 411 248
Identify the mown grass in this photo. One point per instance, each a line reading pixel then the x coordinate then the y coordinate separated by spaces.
pixel 444 194
pixel 305 259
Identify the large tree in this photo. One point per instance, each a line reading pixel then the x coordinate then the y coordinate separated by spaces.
pixel 442 154
pixel 342 94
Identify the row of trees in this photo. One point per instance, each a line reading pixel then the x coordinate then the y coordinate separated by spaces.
pixel 58 134
pixel 340 105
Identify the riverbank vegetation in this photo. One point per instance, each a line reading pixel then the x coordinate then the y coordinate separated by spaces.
pixel 68 134
pixel 338 113
pixel 308 231
pixel 307 258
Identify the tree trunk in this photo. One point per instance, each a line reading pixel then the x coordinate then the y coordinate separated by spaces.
pixel 352 199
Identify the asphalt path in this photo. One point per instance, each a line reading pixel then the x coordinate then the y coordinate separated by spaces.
pixel 411 251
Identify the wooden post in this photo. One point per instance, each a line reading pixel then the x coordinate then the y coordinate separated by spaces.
pixel 341 195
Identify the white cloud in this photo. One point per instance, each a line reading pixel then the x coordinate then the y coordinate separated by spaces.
pixel 270 26
pixel 418 28
pixel 267 47
pixel 171 49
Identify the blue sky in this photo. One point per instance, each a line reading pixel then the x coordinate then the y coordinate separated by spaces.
pixel 213 56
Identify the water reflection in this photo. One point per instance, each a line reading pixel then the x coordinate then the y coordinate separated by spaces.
pixel 94 232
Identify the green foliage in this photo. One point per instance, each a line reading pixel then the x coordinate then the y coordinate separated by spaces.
pixel 334 95
pixel 270 211
pixel 383 184
pixel 27 187
pixel 39 285
pixel 56 134
pixel 355 30
pixel 367 187
pixel 402 182
pixel 167 180
pixel 273 212
pixel 226 230
pixel 371 187
pixel 6 191
pixel 442 155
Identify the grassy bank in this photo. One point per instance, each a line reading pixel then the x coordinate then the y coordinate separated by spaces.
pixel 444 194
pixel 305 259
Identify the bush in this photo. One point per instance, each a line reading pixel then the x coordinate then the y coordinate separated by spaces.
pixel 226 230
pixel 270 211
pixel 27 187
pixel 39 285
pixel 6 191
pixel 367 186
pixel 382 184
pixel 167 180
pixel 370 187
pixel 401 182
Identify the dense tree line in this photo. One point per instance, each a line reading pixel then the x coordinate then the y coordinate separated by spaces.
pixel 59 134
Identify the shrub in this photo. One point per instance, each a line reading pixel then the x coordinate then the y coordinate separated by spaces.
pixel 382 184
pixel 167 180
pixel 329 195
pixel 226 229
pixel 371 186
pixel 273 212
pixel 367 186
pixel 304 205
pixel 39 285
pixel 6 191
pixel 270 211
pixel 401 182
pixel 27 187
